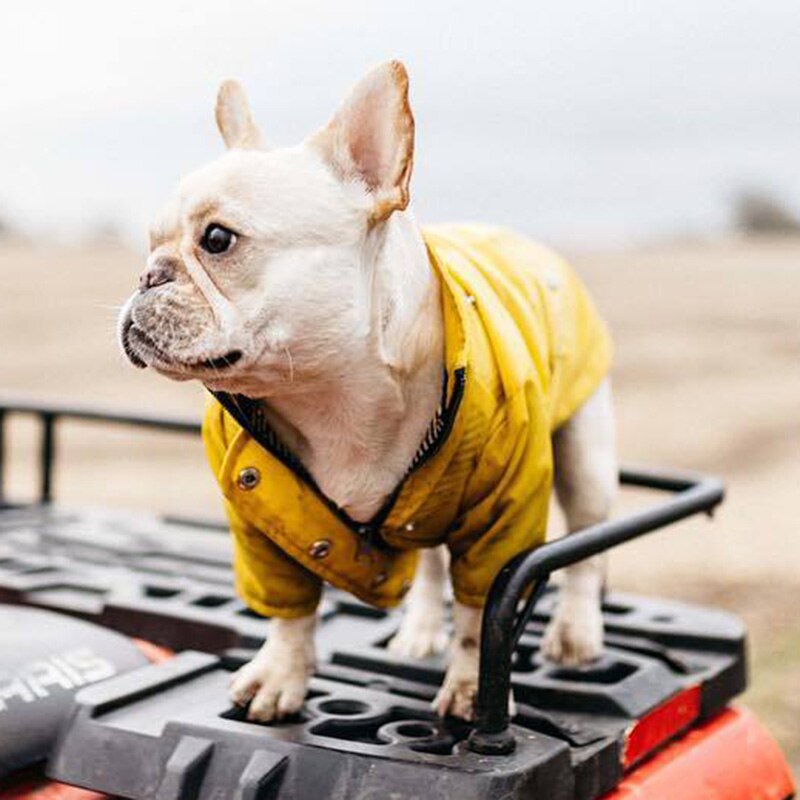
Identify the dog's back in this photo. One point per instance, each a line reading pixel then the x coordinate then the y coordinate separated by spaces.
pixel 549 314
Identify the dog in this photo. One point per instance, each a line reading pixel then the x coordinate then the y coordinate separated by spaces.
pixel 386 402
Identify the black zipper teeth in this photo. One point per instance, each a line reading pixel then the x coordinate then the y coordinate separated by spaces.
pixel 269 440
pixel 447 419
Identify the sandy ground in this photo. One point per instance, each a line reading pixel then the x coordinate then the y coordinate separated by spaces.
pixel 707 377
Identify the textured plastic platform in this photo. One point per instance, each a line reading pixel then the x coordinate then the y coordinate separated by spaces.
pixel 171 582
pixel 166 581
pixel 169 733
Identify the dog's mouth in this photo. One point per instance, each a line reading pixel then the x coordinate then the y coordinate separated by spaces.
pixel 139 346
pixel 222 362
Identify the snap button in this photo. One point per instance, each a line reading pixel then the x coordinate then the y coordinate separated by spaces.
pixel 363 530
pixel 249 478
pixel 320 549
pixel 409 526
pixel 470 298
pixel 379 579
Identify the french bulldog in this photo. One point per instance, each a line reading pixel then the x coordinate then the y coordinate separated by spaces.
pixel 297 277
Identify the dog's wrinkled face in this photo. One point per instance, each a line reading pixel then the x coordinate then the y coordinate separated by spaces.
pixel 254 248
pixel 256 275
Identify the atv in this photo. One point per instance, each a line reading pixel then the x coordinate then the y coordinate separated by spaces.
pixel 119 633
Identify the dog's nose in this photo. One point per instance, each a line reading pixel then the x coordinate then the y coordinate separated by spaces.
pixel 161 272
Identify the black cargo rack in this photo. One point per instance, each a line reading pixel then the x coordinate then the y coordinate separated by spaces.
pixel 697 648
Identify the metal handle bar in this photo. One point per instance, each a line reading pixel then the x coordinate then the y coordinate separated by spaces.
pixel 503 625
pixel 50 413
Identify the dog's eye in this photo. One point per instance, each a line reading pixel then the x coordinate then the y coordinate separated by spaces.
pixel 217 239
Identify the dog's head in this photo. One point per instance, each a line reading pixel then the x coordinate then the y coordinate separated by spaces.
pixel 258 270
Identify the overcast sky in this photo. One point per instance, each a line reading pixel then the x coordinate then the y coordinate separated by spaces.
pixel 575 120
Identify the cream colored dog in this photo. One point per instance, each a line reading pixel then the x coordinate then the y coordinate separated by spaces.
pixel 268 276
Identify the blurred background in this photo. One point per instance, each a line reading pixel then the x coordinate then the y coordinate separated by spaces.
pixel 657 144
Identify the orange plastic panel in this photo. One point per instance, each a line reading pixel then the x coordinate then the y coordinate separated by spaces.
pixel 153 652
pixel 40 788
pixel 731 757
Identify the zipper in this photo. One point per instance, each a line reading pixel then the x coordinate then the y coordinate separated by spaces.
pixel 245 410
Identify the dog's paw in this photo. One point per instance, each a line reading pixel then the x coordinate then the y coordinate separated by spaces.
pixel 272 690
pixel 574 636
pixel 419 636
pixel 274 683
pixel 460 687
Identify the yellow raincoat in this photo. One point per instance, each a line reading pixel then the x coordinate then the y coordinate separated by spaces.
pixel 524 348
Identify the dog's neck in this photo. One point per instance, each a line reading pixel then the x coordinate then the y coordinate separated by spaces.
pixel 357 433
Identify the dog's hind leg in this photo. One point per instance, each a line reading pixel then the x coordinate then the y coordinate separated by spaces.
pixel 422 631
pixel 586 482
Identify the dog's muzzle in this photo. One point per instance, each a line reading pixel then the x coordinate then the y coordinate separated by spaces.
pixel 129 334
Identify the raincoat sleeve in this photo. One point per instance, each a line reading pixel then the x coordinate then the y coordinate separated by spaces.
pixel 268 580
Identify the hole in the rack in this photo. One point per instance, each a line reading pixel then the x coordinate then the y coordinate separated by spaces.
pixel 211 601
pixel 382 729
pixel 443 738
pixel 239 714
pixel 343 707
pixel 606 674
pixel 662 618
pixel 616 609
pixel 440 746
pixel 415 730
pixel 160 591
pixel 248 612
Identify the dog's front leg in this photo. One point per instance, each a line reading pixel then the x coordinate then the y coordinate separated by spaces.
pixel 422 631
pixel 275 681
pixel 460 687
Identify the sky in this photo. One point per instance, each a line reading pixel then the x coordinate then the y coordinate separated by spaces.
pixel 578 121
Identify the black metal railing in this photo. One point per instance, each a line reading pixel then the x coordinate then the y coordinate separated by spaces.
pixel 528 573
pixel 525 576
pixel 50 414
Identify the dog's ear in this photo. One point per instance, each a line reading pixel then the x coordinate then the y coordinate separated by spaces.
pixel 371 138
pixel 234 120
